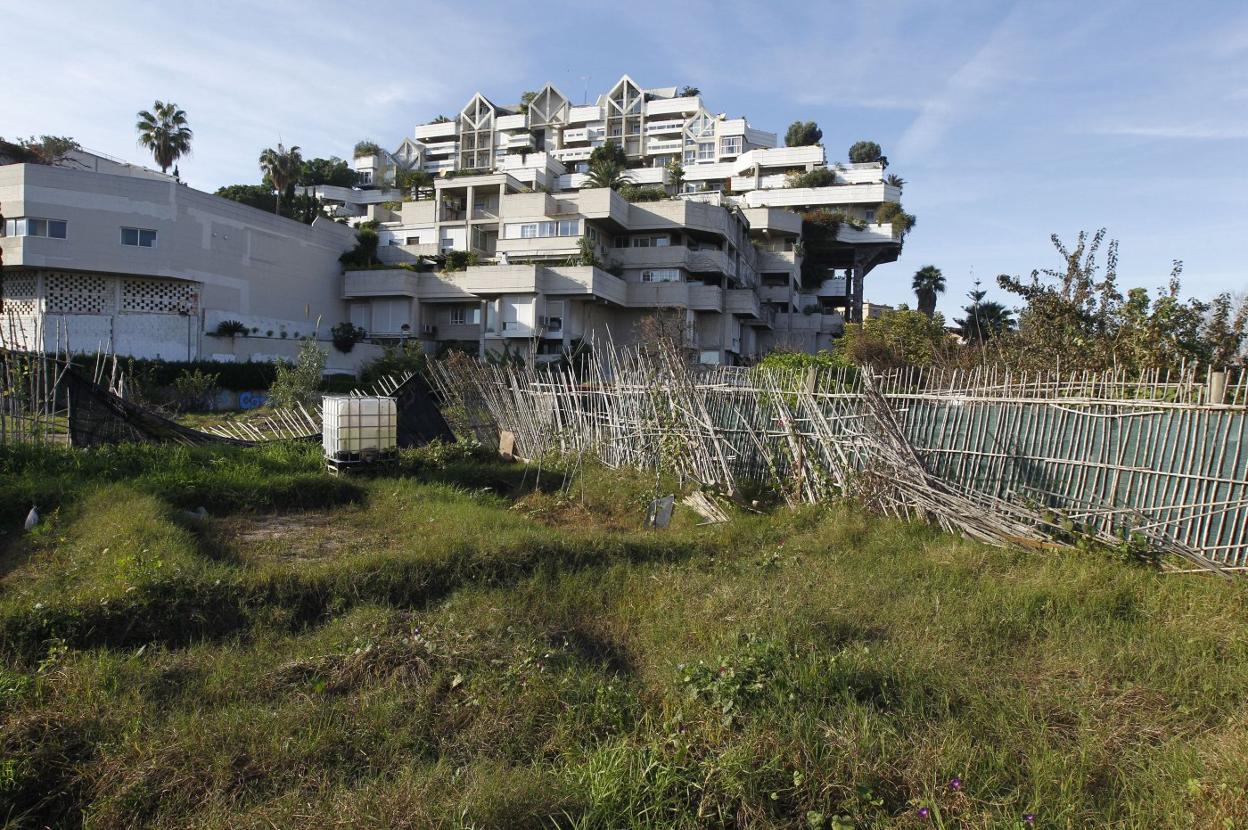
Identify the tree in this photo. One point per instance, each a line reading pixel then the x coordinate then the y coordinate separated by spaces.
pixel 282 167
pixel 928 282
pixel 891 213
pixel 526 98
pixel 46 149
pixel 676 174
pixel 164 131
pixel 367 147
pixel 688 92
pixel 297 383
pixel 331 171
pixel 608 166
pixel 984 318
pixel 893 180
pixel 864 152
pixel 364 254
pixel 803 134
pixel 898 338
pixel 411 178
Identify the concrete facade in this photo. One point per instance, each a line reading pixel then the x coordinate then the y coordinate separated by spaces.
pixel 203 259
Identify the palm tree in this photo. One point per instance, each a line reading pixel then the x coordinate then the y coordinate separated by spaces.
pixel 164 131
pixel 927 284
pixel 282 167
pixel 984 318
pixel 411 178
pixel 607 174
pixel 894 180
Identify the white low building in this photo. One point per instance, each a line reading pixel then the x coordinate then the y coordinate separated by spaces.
pixel 103 256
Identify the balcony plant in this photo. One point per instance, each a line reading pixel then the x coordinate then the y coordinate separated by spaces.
pixel 864 152
pixel 459 260
pixel 367 148
pixel 346 335
pixel 230 328
pixel 819 177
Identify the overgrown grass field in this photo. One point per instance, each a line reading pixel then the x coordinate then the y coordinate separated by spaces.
pixel 462 643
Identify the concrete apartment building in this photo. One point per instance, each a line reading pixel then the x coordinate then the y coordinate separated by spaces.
pixel 722 250
pixel 111 255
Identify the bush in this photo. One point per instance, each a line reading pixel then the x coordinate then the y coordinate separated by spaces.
pixel 395 361
pixel 891 213
pixel 365 251
pixel 346 335
pixel 864 152
pixel 236 377
pixel 298 383
pixel 633 193
pixel 819 177
pixel 230 328
pixel 459 260
pixel 194 390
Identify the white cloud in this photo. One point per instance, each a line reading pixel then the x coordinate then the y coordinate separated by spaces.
pixel 1217 132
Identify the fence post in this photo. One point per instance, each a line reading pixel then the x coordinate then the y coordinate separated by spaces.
pixel 1217 387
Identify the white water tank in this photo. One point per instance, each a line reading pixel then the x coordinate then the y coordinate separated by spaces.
pixel 357 428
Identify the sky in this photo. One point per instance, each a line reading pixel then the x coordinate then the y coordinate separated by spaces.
pixel 1009 122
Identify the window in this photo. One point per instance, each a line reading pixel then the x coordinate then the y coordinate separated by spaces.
pixel 413 240
pixel 554 316
pixel 690 157
pixel 730 145
pixel 466 316
pixel 458 318
pixel 365 176
pixel 138 237
pixel 539 230
pixel 870 214
pixel 661 275
pixel 652 241
pixel 30 226
pixel 706 151
pixel 447 244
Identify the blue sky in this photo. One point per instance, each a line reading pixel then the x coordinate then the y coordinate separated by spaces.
pixel 1008 121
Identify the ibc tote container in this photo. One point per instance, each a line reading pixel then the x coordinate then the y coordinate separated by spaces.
pixel 355 428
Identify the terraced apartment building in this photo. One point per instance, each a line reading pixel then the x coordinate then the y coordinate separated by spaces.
pixel 709 229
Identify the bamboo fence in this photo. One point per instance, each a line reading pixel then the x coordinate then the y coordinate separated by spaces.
pixel 1034 459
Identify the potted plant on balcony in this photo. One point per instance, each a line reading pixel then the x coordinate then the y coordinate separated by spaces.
pixel 346 335
pixel 230 328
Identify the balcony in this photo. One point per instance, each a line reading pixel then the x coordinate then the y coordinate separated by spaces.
pixel 673 126
pixel 658 294
pixel 743 302
pixel 573 153
pixel 782 294
pixel 778 261
pixel 424 132
pixel 579 115
pixel 871 234
pixel 672 146
pixel 396 282
pixel 777 220
pixel 841 194
pixel 442 148
pixel 673 106
pixel 519 142
pixel 830 324
pixel 706 297
pixel 510 122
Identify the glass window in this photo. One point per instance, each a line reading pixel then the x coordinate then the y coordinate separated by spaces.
pixel 130 236
pixel 661 275
pixel 147 239
pixel 706 150
pixel 457 317
pixel 662 241
pixel 568 227
pixel 36 227
pixel 528 231
pixel 56 228
pixel 730 145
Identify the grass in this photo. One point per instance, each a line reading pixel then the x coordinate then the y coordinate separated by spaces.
pixel 452 646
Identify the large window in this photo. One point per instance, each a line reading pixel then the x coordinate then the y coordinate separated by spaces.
pixel 138 237
pixel 30 226
pixel 651 241
pixel 706 151
pixel 539 230
pixel 730 145
pixel 465 315
pixel 661 275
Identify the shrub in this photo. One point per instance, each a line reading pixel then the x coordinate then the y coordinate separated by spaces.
pixel 633 193
pixel 367 148
pixel 346 335
pixel 236 377
pixel 230 328
pixel 194 390
pixel 398 360
pixel 803 134
pixel 891 213
pixel 297 383
pixel 459 260
pixel 819 177
pixel 864 152
pixel 365 251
